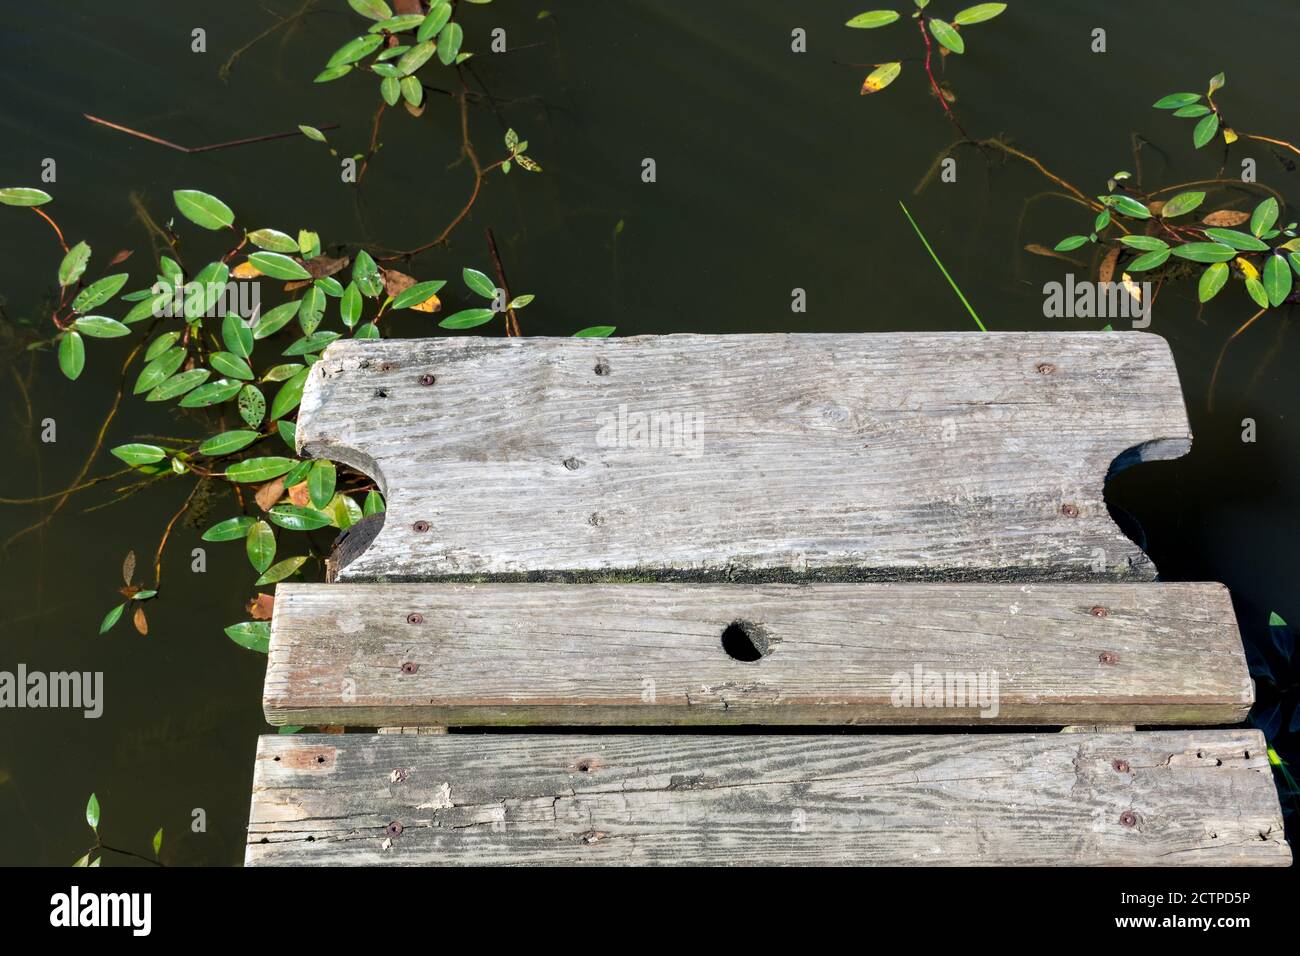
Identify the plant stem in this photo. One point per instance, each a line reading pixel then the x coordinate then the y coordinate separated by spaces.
pixel 921 236
pixel 934 84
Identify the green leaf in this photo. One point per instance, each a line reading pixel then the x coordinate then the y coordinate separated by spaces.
pixel 415 57
pixel 945 34
pixel 99 292
pixel 1238 240
pixel 100 327
pixel 320 483
pixel 260 546
pixel 519 301
pixel 312 310
pixel 237 336
pixel 872 19
pixel 1102 220
pixel 467 319
pixel 297 518
pixel 1217 82
pixel 72 354
pixel 330 286
pixel 259 469
pixel 350 305
pixel 276 319
pixel 1071 242
pixel 398 23
pixel 374 9
pixel 281 570
pixel 354 50
pixel 343 512
pixel 228 442
pixel 160 345
pixel 297 474
pixel 595 332
pixel 111 618
pixel 278 266
pixel 232 529
pixel 1205 252
pixel 153 307
pixel 374 503
pixel 439 14
pixel 390 89
pixel 253 635
pixel 214 393
pixel 1176 101
pixel 412 91
pixel 1257 291
pixel 288 432
pixel 1190 112
pixel 251 404
pixel 417 293
pixel 1295 262
pixel 159 370
pixel 290 394
pixel 136 453
pixel 1276 620
pixel 1205 130
pixel 273 240
pixel 1145 243
pixel 1127 205
pixel 311 343
pixel 978 13
pixel 24 196
pixel 1277 280
pixel 157 842
pixel 332 73
pixel 1148 260
pixel 1182 204
pixel 282 372
pixel 92 812
pixel 449 41
pixel 1212 280
pixel 228 363
pixel 479 283
pixel 73 264
pixel 367 331
pixel 1265 215
pixel 309 243
pixel 178 385
pixel 203 209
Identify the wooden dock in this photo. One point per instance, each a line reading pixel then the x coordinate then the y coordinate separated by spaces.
pixel 723 533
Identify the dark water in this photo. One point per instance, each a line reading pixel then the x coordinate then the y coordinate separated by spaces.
pixel 772 174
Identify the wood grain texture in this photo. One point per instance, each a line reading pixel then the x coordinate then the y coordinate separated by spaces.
pixel 1199 798
pixel 872 456
pixel 569 654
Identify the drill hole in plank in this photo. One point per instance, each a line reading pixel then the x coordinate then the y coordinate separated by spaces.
pixel 745 641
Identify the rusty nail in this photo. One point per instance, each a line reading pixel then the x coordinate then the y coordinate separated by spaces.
pixel 410 667
pixel 1046 368
pixel 1069 510
pixel 394 828
pixel 1108 657
pixel 1121 766
pixel 1128 818
pixel 1099 611
pixel 415 617
pixel 427 379
pixel 420 526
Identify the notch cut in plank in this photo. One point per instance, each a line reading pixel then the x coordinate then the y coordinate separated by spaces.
pixel 747 457
pixel 634 654
pixel 1202 798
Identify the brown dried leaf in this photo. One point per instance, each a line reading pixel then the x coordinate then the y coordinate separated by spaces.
pixel 401 7
pixel 1156 206
pixel 414 110
pixel 121 256
pixel 128 567
pixel 1106 271
pixel 260 607
pixel 395 283
pixel 269 494
pixel 139 620
pixel 1226 218
pixel 332 729
pixel 299 495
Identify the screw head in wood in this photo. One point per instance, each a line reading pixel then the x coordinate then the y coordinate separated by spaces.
pixel 394 828
pixel 1128 818
pixel 1046 368
pixel 420 526
pixel 415 617
pixel 1108 657
pixel 410 667
pixel 1099 611
pixel 1069 510
pixel 1121 766
pixel 427 379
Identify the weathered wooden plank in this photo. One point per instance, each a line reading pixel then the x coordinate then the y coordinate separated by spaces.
pixel 762 457
pixel 1199 798
pixel 367 655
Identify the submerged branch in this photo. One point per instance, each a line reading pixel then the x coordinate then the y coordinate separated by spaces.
pixel 199 149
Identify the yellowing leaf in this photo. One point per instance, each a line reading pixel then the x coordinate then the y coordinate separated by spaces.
pixel 881 77
pixel 431 304
pixel 1247 269
pixel 1132 288
pixel 245 270
pixel 1229 135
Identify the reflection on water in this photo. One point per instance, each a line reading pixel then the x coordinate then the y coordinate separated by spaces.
pixel 772 174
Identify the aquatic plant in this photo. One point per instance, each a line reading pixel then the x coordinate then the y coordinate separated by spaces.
pixel 95 855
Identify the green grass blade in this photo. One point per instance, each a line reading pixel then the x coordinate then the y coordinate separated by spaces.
pixel 921 236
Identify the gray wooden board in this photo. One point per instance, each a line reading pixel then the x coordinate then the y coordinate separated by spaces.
pixel 370 655
pixel 1190 797
pixel 747 457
